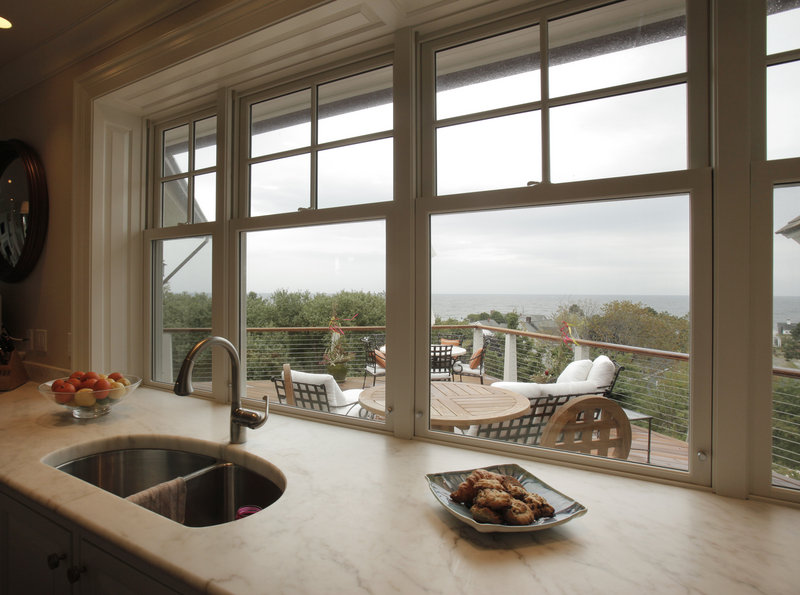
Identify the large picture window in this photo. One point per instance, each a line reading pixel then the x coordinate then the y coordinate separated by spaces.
pixel 534 190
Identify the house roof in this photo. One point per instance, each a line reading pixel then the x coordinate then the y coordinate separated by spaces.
pixel 791 230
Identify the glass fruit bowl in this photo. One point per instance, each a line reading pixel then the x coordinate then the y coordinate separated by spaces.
pixel 86 403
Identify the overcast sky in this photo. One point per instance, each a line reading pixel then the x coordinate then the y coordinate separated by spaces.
pixel 624 247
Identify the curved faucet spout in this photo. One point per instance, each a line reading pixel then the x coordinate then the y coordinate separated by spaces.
pixel 240 418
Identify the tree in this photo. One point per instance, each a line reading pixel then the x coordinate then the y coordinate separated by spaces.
pixel 634 324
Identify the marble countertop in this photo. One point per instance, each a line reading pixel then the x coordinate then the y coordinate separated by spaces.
pixel 357 515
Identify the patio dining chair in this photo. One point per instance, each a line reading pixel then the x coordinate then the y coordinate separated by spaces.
pixel 591 425
pixel 441 362
pixel 475 366
pixel 315 391
pixel 374 361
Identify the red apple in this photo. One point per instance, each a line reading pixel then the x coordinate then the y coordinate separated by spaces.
pixel 101 386
pixel 114 376
pixel 77 374
pixel 88 383
pixel 63 390
pixel 90 375
pixel 74 381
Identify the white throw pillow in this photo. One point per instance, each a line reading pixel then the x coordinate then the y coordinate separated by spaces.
pixel 336 397
pixel 602 372
pixel 575 371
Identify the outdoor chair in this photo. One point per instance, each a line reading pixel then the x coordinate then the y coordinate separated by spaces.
pixel 441 362
pixel 455 342
pixel 526 429
pixel 375 361
pixel 475 366
pixel 582 377
pixel 315 391
pixel 591 425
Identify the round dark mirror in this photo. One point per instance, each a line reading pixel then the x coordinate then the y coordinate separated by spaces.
pixel 23 210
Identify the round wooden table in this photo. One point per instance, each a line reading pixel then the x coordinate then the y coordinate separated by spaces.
pixel 458 404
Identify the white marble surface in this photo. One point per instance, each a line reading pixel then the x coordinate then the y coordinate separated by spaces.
pixel 357 515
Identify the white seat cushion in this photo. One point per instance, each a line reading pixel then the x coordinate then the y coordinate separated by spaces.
pixel 336 398
pixel 466 370
pixel 602 372
pixel 533 390
pixel 578 370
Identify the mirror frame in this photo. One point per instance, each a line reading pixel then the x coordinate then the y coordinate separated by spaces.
pixel 38 204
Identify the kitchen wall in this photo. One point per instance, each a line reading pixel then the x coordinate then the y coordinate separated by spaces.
pixel 41 114
pixel 42 117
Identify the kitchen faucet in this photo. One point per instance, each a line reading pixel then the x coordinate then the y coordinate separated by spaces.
pixel 240 418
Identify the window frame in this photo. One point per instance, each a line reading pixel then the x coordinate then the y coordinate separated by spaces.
pixel 695 181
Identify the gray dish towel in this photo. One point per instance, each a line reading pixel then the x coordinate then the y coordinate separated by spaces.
pixel 167 499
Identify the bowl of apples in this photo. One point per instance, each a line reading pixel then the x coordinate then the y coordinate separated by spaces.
pixel 89 394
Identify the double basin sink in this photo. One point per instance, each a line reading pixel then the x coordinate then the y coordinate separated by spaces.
pixel 218 489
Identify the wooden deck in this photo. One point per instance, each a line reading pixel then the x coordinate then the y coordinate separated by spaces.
pixel 665 451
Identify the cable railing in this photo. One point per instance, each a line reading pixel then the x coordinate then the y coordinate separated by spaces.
pixel 654 382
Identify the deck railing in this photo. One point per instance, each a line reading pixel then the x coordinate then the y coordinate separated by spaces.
pixel 654 382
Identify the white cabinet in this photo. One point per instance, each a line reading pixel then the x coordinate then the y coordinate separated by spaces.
pixel 40 553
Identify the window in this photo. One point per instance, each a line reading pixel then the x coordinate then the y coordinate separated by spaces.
pixel 326 146
pixel 786 336
pixel 593 95
pixel 316 290
pixel 188 177
pixel 615 103
pixel 182 300
pixel 310 293
pixel 619 75
pixel 545 286
pixel 783 74
pixel 534 133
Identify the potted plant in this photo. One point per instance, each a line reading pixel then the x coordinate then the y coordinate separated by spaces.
pixel 336 357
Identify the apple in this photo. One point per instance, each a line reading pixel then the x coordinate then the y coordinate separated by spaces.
pixel 114 376
pixel 90 375
pixel 117 390
pixel 84 397
pixel 87 383
pixel 77 374
pixel 63 390
pixel 101 388
pixel 74 381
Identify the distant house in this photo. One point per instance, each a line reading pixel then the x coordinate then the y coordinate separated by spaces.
pixel 490 322
pixel 539 323
pixel 782 329
pixel 791 230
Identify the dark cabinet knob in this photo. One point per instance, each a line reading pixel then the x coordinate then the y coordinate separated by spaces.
pixel 53 560
pixel 74 573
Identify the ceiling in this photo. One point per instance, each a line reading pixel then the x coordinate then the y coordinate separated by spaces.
pixel 49 35
pixel 34 25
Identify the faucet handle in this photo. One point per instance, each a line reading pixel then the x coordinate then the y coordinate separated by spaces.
pixel 249 419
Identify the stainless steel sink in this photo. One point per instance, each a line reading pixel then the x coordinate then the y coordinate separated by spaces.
pixel 215 488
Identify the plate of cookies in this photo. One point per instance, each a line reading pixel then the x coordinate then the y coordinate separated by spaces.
pixel 502 499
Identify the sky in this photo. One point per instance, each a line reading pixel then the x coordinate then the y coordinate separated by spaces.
pixel 616 247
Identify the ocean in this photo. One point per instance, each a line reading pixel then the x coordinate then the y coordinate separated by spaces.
pixel 461 305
